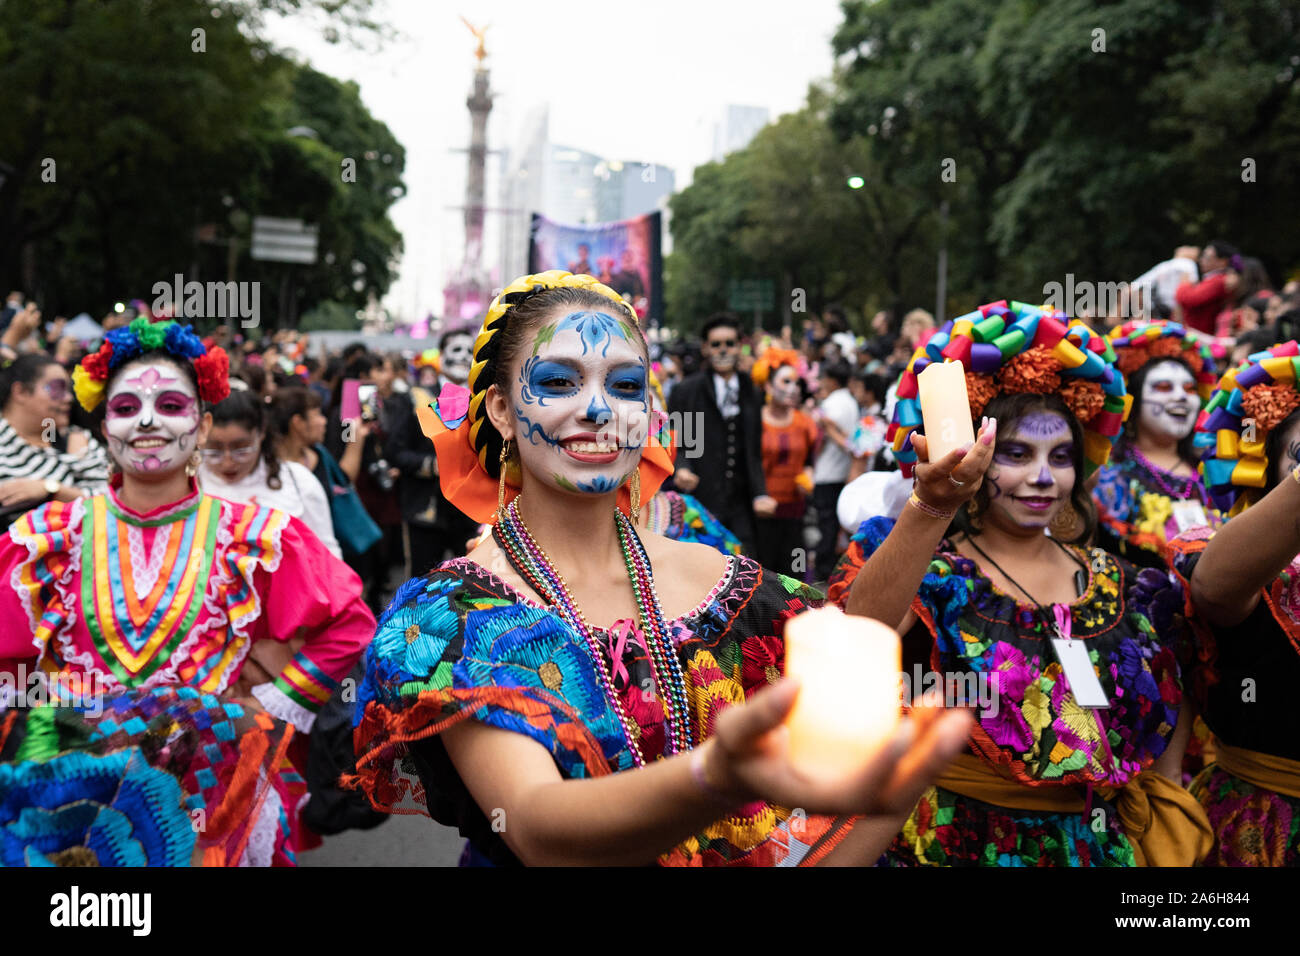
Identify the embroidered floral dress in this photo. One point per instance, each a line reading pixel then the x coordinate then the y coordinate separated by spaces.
pixel 1035 734
pixel 460 643
pixel 1141 507
pixel 682 518
pixel 148 606
pixel 1244 680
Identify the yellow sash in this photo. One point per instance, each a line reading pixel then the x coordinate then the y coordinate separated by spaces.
pixel 1165 823
pixel 1261 770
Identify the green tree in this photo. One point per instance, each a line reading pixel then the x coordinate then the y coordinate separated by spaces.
pixel 782 209
pixel 137 134
pixel 1086 138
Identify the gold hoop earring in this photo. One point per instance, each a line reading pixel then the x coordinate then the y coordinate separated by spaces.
pixel 634 497
pixel 192 466
pixel 501 483
pixel 973 513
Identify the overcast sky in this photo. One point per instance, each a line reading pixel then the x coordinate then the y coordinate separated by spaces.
pixel 635 81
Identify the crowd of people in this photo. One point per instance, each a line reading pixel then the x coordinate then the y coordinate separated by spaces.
pixel 552 557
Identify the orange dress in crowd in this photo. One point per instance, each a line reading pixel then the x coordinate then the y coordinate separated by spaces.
pixel 786 452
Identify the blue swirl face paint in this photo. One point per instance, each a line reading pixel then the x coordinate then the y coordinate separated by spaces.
pixel 600 485
pixel 581 404
pixel 596 330
pixel 540 380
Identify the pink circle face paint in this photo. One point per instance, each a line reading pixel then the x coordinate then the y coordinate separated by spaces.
pixel 152 418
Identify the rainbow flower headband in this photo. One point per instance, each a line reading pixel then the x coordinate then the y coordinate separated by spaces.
pixel 1251 400
pixel 211 366
pixel 1008 348
pixel 1141 341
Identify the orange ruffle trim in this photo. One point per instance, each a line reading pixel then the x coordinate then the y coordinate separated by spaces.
pixel 467 486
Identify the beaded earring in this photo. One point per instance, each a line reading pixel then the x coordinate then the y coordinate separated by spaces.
pixel 501 484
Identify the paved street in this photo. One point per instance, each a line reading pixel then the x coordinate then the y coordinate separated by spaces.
pixel 401 841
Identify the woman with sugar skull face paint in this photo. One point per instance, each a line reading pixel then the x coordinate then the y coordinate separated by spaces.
pixel 599 665
pixel 1064 654
pixel 790 439
pixel 1151 491
pixel 162 613
pixel 1245 607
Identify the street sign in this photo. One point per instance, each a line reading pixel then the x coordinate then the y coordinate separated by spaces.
pixel 751 295
pixel 284 240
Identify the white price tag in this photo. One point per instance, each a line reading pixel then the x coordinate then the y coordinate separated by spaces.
pixel 1077 665
pixel 1188 515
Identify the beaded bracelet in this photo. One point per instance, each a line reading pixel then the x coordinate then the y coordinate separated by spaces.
pixel 929 510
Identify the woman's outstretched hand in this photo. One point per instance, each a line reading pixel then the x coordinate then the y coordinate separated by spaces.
pixel 748 758
pixel 950 482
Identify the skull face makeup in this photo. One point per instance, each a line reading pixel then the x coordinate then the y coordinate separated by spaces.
pixel 783 387
pixel 580 404
pixel 1032 473
pixel 1169 402
pixel 152 418
pixel 457 357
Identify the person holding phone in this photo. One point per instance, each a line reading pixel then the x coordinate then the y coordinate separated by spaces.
pixel 357 440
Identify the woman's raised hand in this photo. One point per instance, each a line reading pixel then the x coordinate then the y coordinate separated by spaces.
pixel 950 482
pixel 748 758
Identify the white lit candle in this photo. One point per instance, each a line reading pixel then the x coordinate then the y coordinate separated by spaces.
pixel 945 408
pixel 848 706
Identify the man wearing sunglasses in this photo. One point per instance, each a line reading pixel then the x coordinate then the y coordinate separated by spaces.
pixel 724 467
pixel 35 463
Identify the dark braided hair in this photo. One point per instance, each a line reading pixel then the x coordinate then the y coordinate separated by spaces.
pixel 508 328
pixel 246 409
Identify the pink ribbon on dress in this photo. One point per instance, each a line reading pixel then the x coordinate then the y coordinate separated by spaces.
pixel 616 643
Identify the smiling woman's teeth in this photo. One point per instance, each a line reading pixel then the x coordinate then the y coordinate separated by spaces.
pixel 591 447
pixel 148 443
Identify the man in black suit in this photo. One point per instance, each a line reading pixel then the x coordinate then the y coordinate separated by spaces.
pixel 727 475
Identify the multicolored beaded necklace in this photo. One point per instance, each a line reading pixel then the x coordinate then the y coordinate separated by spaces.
pixel 535 566
pixel 1177 487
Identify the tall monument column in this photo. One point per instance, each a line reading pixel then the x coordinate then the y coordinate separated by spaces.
pixel 466 295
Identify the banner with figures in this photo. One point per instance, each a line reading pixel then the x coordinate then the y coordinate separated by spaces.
pixel 625 255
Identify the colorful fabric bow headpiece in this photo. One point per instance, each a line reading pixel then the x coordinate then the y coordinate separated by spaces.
pixel 466 443
pixel 1008 348
pixel 1141 341
pixel 211 366
pixel 1232 432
